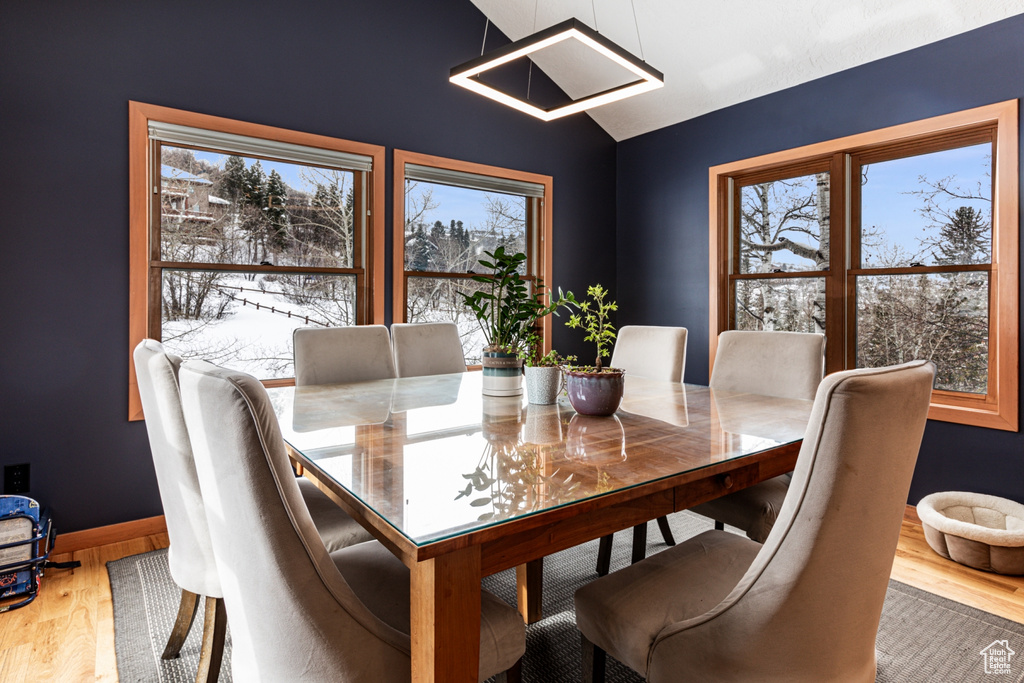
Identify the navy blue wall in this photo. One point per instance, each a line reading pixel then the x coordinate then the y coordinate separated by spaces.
pixel 663 205
pixel 369 71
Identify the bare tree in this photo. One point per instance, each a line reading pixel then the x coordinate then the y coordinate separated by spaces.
pixel 784 216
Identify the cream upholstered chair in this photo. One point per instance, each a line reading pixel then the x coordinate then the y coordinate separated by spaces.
pixel 655 353
pixel 805 605
pixel 785 364
pixel 297 612
pixel 190 556
pixel 334 355
pixel 651 351
pixel 427 349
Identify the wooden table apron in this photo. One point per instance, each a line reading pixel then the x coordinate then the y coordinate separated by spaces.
pixel 446 574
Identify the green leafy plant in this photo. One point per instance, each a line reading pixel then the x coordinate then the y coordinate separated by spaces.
pixel 533 354
pixel 505 309
pixel 593 318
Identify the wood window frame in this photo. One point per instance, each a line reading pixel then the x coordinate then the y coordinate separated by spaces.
pixel 144 254
pixel 543 232
pixel 999 408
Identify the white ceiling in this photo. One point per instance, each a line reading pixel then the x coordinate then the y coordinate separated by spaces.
pixel 715 53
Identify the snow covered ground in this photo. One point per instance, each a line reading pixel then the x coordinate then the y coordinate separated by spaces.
pixel 256 341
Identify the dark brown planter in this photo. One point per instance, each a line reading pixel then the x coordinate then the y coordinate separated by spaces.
pixel 595 393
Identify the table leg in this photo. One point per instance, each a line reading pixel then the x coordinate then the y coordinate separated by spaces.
pixel 530 590
pixel 639 542
pixel 445 617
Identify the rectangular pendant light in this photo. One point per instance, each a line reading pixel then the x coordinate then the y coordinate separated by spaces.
pixel 466 75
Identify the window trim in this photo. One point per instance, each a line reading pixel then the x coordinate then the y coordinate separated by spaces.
pixel 139 247
pixel 544 231
pixel 999 408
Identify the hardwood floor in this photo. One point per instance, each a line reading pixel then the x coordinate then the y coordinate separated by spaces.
pixel 917 565
pixel 67 634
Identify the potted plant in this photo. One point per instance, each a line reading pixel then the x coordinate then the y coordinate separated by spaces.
pixel 543 372
pixel 594 390
pixel 507 312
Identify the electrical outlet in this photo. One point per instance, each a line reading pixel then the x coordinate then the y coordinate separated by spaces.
pixel 16 479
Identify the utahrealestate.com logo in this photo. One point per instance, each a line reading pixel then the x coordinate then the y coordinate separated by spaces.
pixel 997 657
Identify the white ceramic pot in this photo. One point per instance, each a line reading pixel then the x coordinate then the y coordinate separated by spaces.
pixel 543 384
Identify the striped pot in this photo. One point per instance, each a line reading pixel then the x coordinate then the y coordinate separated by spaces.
pixel 503 374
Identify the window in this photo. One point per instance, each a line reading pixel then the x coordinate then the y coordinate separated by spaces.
pixel 240 233
pixel 446 215
pixel 896 244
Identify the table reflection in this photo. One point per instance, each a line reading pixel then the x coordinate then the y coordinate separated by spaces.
pixel 435 458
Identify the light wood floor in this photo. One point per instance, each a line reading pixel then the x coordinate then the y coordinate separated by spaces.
pixel 67 634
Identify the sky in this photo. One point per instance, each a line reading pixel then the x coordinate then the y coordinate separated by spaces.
pixel 885 199
pixel 454 203
pixel 457 203
pixel 886 202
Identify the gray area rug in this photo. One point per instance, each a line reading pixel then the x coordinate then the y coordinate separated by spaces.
pixel 922 637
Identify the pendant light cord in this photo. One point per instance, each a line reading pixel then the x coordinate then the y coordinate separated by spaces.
pixel 637 26
pixel 593 11
pixel 529 74
pixel 484 44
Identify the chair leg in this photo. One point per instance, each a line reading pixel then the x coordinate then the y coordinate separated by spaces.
pixel 719 526
pixel 182 624
pixel 639 542
pixel 666 531
pixel 604 555
pixel 214 629
pixel 593 661
pixel 514 674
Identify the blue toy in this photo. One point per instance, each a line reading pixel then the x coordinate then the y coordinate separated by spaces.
pixel 26 538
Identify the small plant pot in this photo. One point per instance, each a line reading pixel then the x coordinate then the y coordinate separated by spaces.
pixel 543 384
pixel 503 374
pixel 595 393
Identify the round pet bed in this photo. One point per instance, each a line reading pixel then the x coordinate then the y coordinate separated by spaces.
pixel 980 531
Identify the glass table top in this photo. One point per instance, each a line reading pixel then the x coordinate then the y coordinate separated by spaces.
pixel 436 458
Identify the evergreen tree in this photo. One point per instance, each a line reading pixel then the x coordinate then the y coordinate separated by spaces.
pixel 418 250
pixel 277 192
pixel 964 239
pixel 254 186
pixel 232 181
pixel 326 197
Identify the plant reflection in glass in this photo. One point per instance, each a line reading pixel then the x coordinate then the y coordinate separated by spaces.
pixel 511 476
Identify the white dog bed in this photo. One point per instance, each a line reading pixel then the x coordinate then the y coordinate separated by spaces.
pixel 980 531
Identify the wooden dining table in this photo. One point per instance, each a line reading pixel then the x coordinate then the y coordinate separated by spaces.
pixel 460 486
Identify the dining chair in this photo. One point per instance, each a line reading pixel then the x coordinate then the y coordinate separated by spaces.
pixel 655 353
pixel 427 349
pixel 805 605
pixel 298 612
pixel 190 556
pixel 784 364
pixel 334 355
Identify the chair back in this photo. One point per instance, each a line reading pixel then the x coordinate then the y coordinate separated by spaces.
pixel 784 364
pixel 809 605
pixel 335 355
pixel 292 614
pixel 427 349
pixel 650 351
pixel 190 555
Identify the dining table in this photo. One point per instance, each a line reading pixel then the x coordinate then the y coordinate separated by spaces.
pixel 460 486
